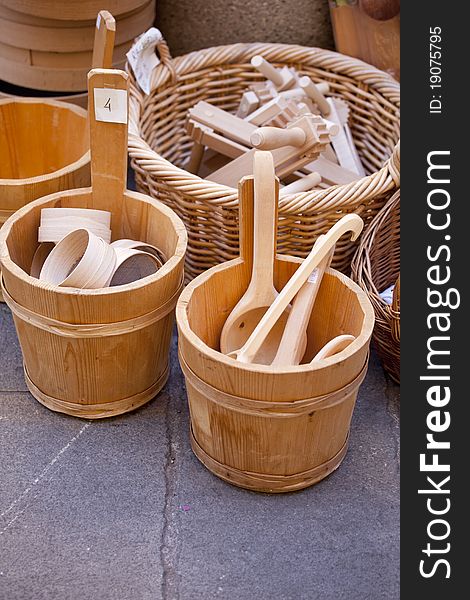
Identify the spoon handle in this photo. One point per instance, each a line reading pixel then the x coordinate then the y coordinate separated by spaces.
pixel 340 342
pixel 291 348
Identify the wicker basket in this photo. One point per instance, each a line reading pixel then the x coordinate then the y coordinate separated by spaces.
pixel 159 146
pixel 375 267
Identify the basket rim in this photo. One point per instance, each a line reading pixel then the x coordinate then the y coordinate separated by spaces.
pixel 171 264
pixel 383 180
pixel 217 357
pixel 73 166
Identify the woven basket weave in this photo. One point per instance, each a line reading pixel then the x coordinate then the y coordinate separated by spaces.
pixel 375 267
pixel 159 146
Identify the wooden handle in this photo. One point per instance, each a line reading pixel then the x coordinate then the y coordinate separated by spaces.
pixel 303 184
pixel 108 140
pixel 266 68
pixel 269 138
pixel 291 349
pixel 103 46
pixel 314 94
pixel 265 221
pixel 334 346
pixel 132 265
pixel 349 223
pixel 246 220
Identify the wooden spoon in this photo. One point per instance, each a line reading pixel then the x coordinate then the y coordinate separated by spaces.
pixel 261 292
pixel 248 352
pixel 294 339
pixel 340 342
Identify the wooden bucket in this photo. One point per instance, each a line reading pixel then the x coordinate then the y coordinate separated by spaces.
pixel 96 353
pixel 257 426
pixel 43 149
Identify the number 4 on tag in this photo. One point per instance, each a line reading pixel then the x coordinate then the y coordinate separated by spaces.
pixel 110 105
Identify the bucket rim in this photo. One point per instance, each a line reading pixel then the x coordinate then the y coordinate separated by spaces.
pixel 217 357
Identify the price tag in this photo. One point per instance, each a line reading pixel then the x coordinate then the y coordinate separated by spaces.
pixel 143 59
pixel 110 105
pixel 313 276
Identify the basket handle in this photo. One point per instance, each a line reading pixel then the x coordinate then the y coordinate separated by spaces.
pixel 141 60
pixel 166 58
pixel 108 111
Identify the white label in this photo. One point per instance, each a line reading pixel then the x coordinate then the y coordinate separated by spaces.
pixel 110 105
pixel 143 59
pixel 98 21
pixel 313 276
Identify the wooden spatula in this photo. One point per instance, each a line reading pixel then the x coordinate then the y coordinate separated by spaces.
pixel 261 292
pixel 248 352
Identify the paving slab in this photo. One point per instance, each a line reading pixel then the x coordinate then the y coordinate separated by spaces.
pixel 11 364
pixel 121 509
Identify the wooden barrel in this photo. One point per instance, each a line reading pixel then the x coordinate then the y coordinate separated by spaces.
pixel 262 427
pixel 50 46
pixel 72 10
pixel 94 353
pixel 24 31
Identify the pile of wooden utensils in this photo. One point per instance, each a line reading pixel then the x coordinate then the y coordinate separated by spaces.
pixel 308 134
pixel 75 251
pixel 263 327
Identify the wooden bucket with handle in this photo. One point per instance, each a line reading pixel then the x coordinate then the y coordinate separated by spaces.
pixel 44 143
pixel 266 427
pixel 97 352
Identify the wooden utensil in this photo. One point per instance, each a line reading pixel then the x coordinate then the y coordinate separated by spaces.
pixel 261 292
pixel 302 184
pixel 132 265
pixel 56 223
pixel 287 159
pixel 349 223
pixel 107 94
pixel 283 78
pixel 340 342
pixel 81 260
pixel 294 339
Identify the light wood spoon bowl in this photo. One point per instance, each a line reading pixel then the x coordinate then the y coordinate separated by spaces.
pixel 261 292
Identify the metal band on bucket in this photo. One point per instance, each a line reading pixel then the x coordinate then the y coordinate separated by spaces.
pixel 91 330
pixel 263 408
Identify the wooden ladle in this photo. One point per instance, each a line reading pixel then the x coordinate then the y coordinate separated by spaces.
pixel 294 338
pixel 261 292
pixel 248 352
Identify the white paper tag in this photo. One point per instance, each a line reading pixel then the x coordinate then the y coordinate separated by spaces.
pixel 98 21
pixel 143 59
pixel 110 105
pixel 313 276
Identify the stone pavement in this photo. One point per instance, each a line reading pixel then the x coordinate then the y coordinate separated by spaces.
pixel 122 510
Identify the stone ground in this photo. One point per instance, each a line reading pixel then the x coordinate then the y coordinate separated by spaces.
pixel 122 510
